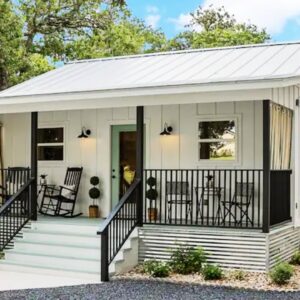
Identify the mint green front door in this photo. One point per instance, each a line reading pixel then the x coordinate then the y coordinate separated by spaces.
pixel 123 159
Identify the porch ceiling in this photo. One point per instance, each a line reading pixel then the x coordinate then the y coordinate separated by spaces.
pixel 251 67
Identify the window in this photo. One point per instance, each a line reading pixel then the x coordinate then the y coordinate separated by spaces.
pixel 51 144
pixel 217 140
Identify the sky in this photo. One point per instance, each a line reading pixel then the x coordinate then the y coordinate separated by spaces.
pixel 281 18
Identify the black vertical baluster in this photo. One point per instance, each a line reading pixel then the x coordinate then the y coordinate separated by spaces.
pixel 247 195
pixel 202 196
pixel 156 208
pixel 219 196
pixel 160 195
pixel 166 196
pixel 235 199
pixel 181 194
pixel 198 195
pixel 258 195
pixel 231 193
pixel 176 194
pixel 170 191
pixel 150 200
pixel 191 213
pixel 241 198
pixel 214 194
pixel 253 197
pixel 225 196
pixel 208 198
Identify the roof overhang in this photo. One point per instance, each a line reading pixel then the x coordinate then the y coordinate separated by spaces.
pixel 199 92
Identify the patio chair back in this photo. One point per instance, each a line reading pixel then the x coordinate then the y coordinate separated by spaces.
pixel 244 192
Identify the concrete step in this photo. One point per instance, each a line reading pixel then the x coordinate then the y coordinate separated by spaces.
pixel 24 267
pixel 61 237
pixel 75 251
pixel 51 261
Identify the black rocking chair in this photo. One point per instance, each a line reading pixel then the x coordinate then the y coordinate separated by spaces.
pixel 65 194
pixel 241 200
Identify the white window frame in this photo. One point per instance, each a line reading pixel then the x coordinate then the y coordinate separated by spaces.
pixel 63 144
pixel 237 140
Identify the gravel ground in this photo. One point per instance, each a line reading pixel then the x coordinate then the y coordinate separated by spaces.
pixel 146 289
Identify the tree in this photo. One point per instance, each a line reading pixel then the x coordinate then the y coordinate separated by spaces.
pixel 10 39
pixel 53 31
pixel 215 28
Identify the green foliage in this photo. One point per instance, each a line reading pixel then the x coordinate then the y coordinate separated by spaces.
pixel 94 180
pixel 151 181
pixel 94 193
pixel 151 194
pixel 217 28
pixel 281 273
pixel 187 260
pixel 212 272
pixel 238 275
pixel 295 260
pixel 156 268
pixel 2 255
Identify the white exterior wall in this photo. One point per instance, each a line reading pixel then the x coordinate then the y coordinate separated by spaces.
pixel 177 151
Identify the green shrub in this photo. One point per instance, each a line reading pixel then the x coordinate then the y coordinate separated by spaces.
pixel 1 255
pixel 156 268
pixel 238 275
pixel 295 260
pixel 281 273
pixel 187 260
pixel 212 272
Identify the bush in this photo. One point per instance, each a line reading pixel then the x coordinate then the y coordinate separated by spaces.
pixel 156 268
pixel 187 260
pixel 281 273
pixel 238 275
pixel 212 272
pixel 295 260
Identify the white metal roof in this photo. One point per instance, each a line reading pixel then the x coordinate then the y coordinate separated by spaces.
pixel 193 67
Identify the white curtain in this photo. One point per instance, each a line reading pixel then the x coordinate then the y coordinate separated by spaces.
pixel 281 122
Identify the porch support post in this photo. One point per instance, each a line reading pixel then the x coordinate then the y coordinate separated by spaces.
pixel 266 166
pixel 34 128
pixel 140 162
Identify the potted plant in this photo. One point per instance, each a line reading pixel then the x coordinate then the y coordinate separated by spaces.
pixel 94 194
pixel 152 195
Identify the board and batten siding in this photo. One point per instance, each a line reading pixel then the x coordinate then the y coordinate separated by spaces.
pixel 180 150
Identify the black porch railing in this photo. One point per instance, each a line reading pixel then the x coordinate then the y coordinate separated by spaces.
pixel 118 226
pixel 216 198
pixel 280 196
pixel 15 213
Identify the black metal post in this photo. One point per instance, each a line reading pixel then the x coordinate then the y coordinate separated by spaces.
pixel 266 166
pixel 104 256
pixel 33 192
pixel 140 162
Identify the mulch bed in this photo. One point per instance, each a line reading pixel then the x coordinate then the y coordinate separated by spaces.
pixel 252 280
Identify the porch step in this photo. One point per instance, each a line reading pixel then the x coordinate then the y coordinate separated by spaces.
pixel 65 250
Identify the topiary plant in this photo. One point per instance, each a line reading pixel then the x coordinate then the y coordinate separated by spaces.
pixel 94 180
pixel 151 194
pixel 151 181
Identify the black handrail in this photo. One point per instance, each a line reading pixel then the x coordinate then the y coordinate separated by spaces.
pixel 118 226
pixel 14 214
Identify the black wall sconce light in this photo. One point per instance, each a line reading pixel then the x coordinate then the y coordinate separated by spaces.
pixel 167 130
pixel 85 133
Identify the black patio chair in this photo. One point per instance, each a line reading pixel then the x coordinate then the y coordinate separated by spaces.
pixel 61 200
pixel 238 207
pixel 177 194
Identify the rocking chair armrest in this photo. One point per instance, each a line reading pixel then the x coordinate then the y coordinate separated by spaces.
pixel 51 189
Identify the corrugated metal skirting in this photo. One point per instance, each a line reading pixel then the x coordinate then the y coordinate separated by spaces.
pixel 246 249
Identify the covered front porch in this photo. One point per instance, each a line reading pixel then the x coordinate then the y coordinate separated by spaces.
pixel 221 178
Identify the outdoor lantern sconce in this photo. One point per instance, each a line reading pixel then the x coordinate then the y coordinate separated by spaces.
pixel 167 130
pixel 85 133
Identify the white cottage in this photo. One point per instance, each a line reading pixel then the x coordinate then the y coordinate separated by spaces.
pixel 198 147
